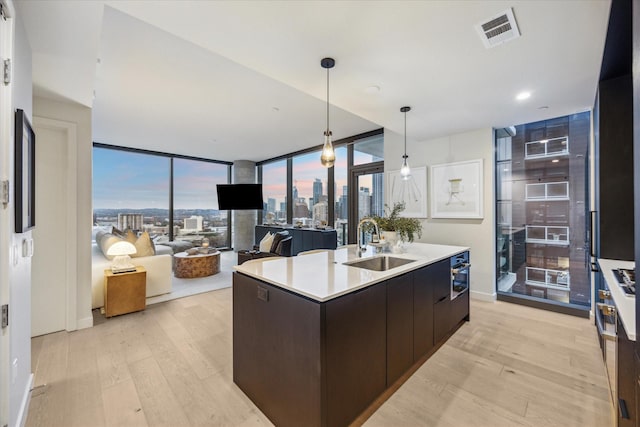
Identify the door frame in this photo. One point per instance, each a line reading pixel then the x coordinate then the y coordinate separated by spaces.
pixel 354 173
pixel 71 243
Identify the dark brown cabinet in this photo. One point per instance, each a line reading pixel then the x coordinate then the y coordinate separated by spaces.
pixel 422 312
pixel 355 349
pixel 310 363
pixel 440 277
pixel 399 326
pixel 625 377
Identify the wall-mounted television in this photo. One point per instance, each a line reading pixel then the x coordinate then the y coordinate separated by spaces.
pixel 240 196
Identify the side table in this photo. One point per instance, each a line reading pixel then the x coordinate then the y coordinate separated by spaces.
pixel 198 265
pixel 124 292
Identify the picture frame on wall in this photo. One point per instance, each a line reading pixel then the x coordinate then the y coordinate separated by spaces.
pixel 25 174
pixel 457 190
pixel 413 208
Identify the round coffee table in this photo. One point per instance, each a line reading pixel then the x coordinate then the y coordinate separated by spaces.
pixel 198 265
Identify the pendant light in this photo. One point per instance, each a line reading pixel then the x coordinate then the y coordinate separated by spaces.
pixel 328 156
pixel 405 170
pixel 404 188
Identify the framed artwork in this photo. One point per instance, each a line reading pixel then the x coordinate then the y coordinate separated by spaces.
pixel 414 194
pixel 456 190
pixel 25 174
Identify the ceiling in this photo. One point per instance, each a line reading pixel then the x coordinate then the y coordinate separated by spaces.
pixel 235 80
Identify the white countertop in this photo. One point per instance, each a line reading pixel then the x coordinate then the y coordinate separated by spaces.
pixel 626 305
pixel 322 276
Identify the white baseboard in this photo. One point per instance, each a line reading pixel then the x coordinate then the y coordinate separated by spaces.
pixel 24 405
pixel 85 322
pixel 483 296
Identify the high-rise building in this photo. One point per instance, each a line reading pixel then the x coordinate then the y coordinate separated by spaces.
pixel 364 202
pixel 377 196
pixel 317 190
pixel 295 193
pixel 194 223
pixel 130 221
pixel 321 213
pixel 300 209
pixel 271 205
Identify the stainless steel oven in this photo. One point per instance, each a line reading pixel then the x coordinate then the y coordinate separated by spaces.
pixel 459 274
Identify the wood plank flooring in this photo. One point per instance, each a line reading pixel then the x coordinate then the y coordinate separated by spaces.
pixel 171 365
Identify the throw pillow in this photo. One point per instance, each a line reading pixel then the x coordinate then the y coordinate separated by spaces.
pixel 104 241
pixel 118 233
pixel 265 243
pixel 277 238
pixel 130 236
pixel 143 246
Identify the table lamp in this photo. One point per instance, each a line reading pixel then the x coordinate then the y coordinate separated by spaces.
pixel 122 261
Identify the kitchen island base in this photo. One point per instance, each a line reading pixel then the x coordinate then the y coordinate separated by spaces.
pixel 329 363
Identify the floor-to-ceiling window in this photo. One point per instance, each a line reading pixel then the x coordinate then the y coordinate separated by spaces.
pixel 297 189
pixel 541 213
pixel 133 189
pixel 310 198
pixel 195 201
pixel 274 192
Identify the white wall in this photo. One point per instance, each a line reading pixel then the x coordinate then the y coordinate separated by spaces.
pixel 18 267
pixel 81 117
pixel 476 234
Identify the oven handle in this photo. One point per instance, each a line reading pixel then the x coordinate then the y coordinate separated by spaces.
pixel 605 334
pixel 460 267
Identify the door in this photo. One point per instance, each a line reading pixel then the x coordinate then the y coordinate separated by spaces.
pixel 367 196
pixel 49 263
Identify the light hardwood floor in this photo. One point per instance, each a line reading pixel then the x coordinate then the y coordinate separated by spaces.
pixel 171 365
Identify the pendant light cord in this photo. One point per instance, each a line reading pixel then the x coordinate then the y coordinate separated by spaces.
pixel 405 136
pixel 327 101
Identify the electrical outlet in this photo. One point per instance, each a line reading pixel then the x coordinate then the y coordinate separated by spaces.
pixel 263 294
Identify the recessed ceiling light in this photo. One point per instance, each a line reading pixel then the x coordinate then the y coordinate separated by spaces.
pixel 373 89
pixel 275 108
pixel 523 95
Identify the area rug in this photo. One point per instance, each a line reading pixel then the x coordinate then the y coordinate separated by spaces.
pixel 185 287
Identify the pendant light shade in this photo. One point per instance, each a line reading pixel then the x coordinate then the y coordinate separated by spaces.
pixel 404 188
pixel 328 156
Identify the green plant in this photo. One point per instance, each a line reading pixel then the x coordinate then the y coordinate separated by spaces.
pixel 407 228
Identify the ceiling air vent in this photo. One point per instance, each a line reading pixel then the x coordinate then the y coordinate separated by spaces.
pixel 499 29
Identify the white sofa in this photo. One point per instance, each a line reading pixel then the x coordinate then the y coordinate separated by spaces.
pixel 158 269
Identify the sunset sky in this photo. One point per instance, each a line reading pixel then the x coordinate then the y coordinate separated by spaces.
pixel 124 179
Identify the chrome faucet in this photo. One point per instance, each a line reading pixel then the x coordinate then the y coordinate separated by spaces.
pixel 377 232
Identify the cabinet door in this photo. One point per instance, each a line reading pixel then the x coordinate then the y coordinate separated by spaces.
pixel 625 377
pixel 355 353
pixel 439 277
pixel 422 313
pixel 459 310
pixel 441 318
pixel 399 326
pixel 276 351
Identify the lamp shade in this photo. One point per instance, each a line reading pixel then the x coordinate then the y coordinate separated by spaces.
pixel 121 248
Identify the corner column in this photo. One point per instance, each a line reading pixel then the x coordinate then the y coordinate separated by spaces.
pixel 244 222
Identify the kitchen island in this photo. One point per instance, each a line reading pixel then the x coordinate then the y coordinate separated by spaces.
pixel 316 340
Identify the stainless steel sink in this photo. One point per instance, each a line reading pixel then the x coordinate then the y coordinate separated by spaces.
pixel 380 263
